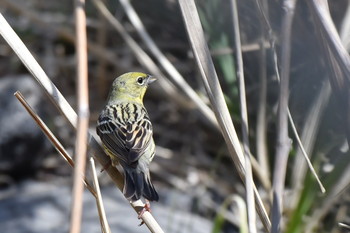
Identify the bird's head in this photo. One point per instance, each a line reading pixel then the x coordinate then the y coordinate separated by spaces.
pixel 130 87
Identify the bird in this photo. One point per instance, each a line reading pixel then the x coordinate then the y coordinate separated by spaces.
pixel 126 133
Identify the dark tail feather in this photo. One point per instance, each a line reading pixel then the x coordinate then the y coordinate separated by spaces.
pixel 149 192
pixel 137 184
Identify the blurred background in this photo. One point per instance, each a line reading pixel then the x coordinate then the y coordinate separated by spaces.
pixel 193 171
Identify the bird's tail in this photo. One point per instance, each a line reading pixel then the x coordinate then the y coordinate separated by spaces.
pixel 137 184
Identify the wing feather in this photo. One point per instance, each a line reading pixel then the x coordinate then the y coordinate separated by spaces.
pixel 128 140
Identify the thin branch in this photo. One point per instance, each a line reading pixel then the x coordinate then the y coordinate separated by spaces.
pixel 83 116
pixel 67 111
pixel 245 127
pixel 283 141
pixel 212 85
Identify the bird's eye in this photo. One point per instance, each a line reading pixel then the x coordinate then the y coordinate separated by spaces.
pixel 140 80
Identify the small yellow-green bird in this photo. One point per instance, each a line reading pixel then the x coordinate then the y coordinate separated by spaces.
pixel 126 133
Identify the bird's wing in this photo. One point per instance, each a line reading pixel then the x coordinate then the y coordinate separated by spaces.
pixel 128 141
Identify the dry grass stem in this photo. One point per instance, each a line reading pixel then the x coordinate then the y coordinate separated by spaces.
pixel 140 55
pixel 212 85
pixel 275 60
pixel 320 10
pixel 308 138
pixel 54 141
pixel 245 126
pixel 100 207
pixel 101 73
pixel 323 190
pixel 83 116
pixel 261 122
pixel 67 111
pixel 166 64
pixel 283 143
pixel 64 32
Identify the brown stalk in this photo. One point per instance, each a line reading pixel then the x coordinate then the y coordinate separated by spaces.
pixel 83 116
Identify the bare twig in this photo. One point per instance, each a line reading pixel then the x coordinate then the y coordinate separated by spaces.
pixel 245 127
pixel 101 210
pixel 212 85
pixel 283 141
pixel 67 111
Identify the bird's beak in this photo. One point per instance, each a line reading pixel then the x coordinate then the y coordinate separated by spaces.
pixel 150 79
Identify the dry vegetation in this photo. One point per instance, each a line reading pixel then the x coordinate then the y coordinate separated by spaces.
pixel 305 53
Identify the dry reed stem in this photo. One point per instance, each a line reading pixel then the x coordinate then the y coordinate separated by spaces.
pixel 140 55
pixel 212 85
pixel 283 142
pixel 95 191
pixel 261 122
pixel 54 141
pixel 67 111
pixel 267 25
pixel 101 210
pixel 329 36
pixel 62 32
pixel 308 138
pixel 245 126
pixel 166 64
pixel 83 116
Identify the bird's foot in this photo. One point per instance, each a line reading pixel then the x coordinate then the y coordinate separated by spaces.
pixel 147 207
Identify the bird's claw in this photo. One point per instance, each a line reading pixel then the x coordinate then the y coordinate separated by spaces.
pixel 147 207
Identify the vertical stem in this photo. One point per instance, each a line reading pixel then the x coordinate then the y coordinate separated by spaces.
pixel 261 118
pixel 83 116
pixel 283 141
pixel 245 127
